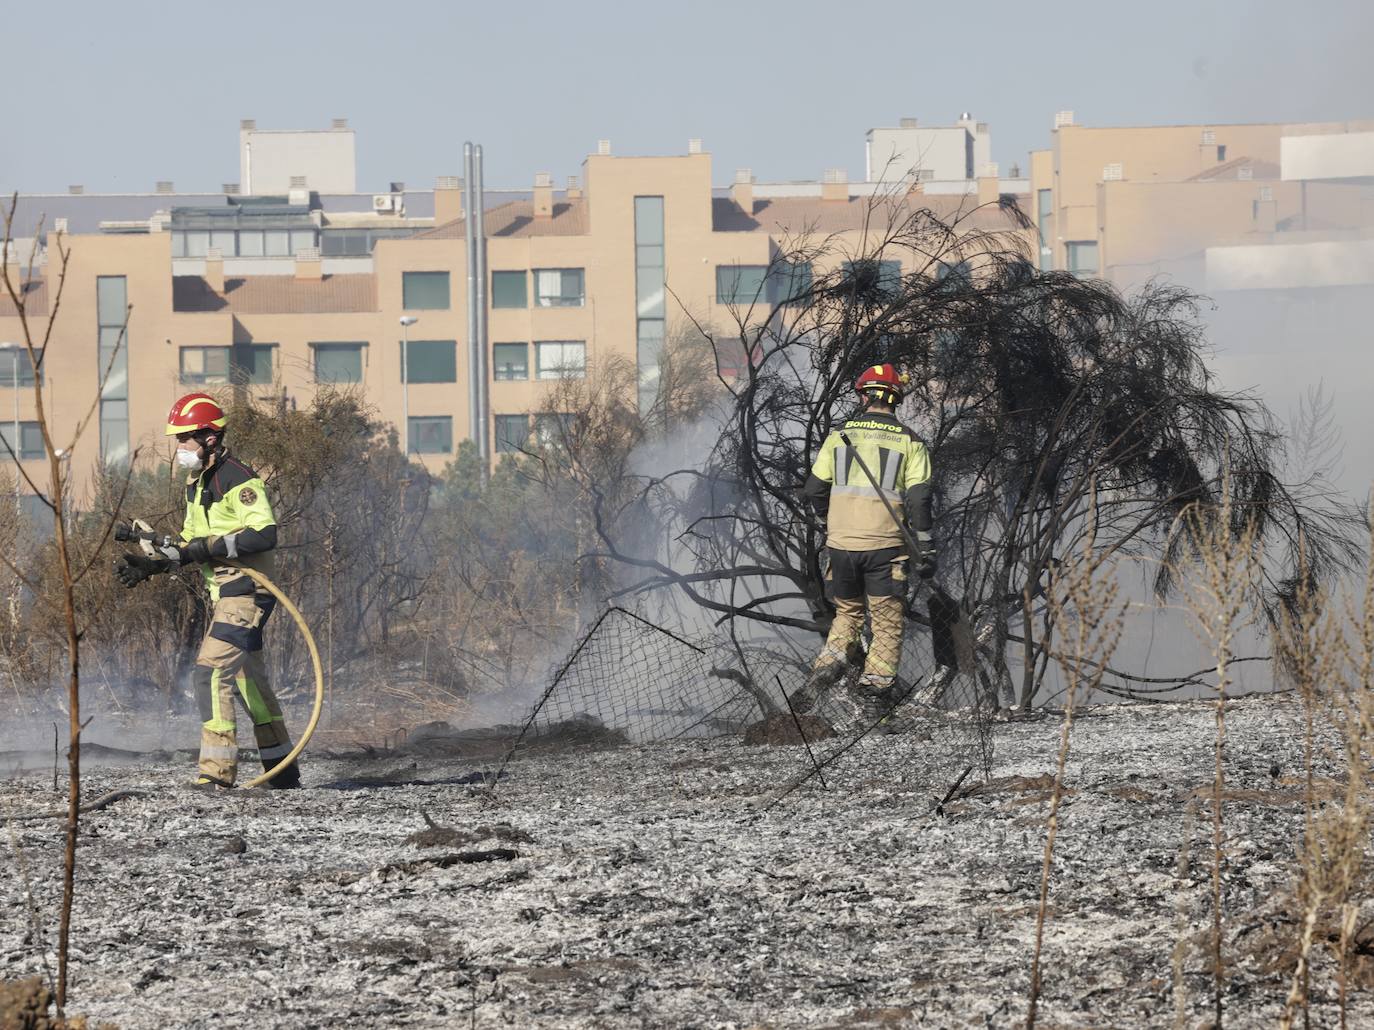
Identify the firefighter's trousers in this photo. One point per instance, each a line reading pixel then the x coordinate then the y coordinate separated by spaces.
pixel 230 661
pixel 877 580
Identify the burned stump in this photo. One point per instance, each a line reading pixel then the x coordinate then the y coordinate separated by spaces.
pixel 780 729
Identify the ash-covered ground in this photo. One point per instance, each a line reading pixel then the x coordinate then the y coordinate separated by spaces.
pixel 643 886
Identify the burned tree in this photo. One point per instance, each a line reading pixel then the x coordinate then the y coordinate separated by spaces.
pixel 1053 406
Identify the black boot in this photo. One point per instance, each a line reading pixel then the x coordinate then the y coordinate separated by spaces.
pixel 288 779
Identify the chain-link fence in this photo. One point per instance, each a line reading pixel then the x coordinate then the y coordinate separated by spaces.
pixel 629 681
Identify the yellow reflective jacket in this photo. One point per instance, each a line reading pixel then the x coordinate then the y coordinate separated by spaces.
pixel 227 505
pixel 838 487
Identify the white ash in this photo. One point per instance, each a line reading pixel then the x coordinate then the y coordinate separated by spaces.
pixel 652 892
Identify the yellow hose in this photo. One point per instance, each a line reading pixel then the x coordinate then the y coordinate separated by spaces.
pixel 295 613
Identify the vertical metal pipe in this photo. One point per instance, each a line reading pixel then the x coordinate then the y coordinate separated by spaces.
pixel 405 390
pixel 480 248
pixel 469 192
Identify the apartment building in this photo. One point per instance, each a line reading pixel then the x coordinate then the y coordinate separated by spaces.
pixel 1128 204
pixel 243 290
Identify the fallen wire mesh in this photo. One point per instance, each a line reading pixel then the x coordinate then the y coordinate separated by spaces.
pixel 628 681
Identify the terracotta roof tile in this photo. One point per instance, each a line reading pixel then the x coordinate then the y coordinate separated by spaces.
pixel 800 214
pixel 516 219
pixel 277 294
pixel 35 294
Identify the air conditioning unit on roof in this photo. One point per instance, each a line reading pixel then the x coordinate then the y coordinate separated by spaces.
pixel 383 202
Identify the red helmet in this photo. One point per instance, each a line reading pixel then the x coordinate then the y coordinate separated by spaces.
pixel 193 412
pixel 882 380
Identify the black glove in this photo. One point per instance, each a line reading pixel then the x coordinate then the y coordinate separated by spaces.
pixel 194 551
pixel 135 568
pixel 926 565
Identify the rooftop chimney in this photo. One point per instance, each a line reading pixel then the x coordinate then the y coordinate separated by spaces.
pixel 448 199
pixel 248 124
pixel 339 123
pixel 908 123
pixel 165 186
pixel 76 190
pixel 603 148
pixel 694 146
pixel 1062 118
pixel 742 192
pixel 308 265
pixel 835 184
pixel 543 195
pixel 574 188
pixel 231 189
pixel 214 269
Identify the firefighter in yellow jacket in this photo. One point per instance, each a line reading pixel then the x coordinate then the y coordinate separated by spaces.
pixel 869 559
pixel 228 516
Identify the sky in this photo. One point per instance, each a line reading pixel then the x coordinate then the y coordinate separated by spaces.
pixel 119 96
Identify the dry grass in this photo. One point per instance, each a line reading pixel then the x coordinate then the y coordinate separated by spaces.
pixel 1082 596
pixel 1328 651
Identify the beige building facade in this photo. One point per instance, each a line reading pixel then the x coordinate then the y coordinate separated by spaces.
pixel 1128 204
pixel 608 266
pixel 283 294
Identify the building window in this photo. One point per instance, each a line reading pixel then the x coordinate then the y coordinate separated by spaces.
pixel 732 358
pixel 510 361
pixel 789 282
pixel 559 287
pixel 424 291
pixel 112 314
pixel 867 274
pixel 1221 152
pixel 739 284
pixel 250 243
pixel 1044 202
pixel 650 308
pixel 276 243
pixel 431 361
pixel 1082 257
pixel 431 434
pixel 30 440
pixel 15 363
pixel 512 433
pixel 205 366
pixel 508 290
pixel 560 359
pixel 338 362
pixel 346 243
pixel 197 243
pixel 303 239
pixel 252 363
pixel 357 242
pixel 552 427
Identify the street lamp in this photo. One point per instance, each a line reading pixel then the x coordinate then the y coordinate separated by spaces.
pixel 12 349
pixel 406 322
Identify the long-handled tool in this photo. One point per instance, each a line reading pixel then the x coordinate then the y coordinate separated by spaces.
pixel 149 542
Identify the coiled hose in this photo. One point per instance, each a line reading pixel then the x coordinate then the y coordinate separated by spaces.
pixel 266 583
pixel 295 613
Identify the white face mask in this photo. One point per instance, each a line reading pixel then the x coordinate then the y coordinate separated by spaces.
pixel 189 461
